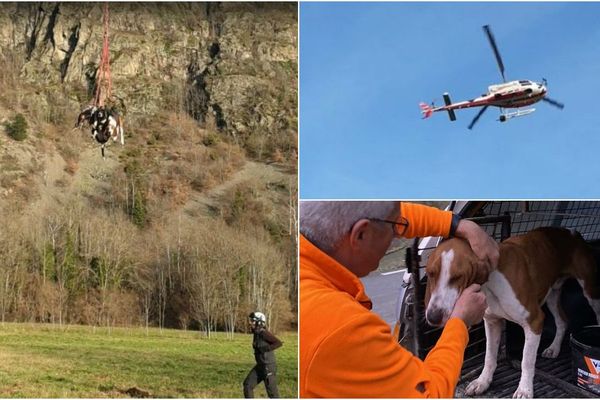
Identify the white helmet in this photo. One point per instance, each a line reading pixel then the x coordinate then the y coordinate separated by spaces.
pixel 258 317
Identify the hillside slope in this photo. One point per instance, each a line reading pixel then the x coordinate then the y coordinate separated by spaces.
pixel 209 93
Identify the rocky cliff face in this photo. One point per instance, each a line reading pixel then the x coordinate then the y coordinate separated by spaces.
pixel 232 66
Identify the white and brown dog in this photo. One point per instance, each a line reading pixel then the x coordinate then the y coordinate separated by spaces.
pixel 531 271
pixel 105 124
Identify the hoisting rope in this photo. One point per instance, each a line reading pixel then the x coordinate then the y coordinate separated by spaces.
pixel 103 81
pixel 106 122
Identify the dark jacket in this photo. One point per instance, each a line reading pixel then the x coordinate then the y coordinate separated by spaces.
pixel 264 342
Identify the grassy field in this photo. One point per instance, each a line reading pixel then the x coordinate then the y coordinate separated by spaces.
pixel 49 361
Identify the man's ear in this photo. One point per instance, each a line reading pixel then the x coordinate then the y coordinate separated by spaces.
pixel 359 233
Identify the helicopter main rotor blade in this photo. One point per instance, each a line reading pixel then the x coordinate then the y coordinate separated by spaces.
pixel 553 102
pixel 488 32
pixel 479 114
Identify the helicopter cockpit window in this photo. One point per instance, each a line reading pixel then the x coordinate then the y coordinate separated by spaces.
pixel 525 83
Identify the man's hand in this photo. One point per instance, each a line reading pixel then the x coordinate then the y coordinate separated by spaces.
pixel 470 306
pixel 484 247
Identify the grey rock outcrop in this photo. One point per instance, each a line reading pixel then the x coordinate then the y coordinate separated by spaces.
pixel 233 65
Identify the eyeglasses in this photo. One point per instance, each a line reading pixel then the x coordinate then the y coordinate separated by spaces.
pixel 400 226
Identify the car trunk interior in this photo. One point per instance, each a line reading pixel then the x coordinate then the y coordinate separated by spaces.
pixel 554 378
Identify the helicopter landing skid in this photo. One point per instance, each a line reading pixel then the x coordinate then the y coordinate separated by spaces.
pixel 519 113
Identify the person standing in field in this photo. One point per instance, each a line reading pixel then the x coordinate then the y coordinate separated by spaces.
pixel 264 343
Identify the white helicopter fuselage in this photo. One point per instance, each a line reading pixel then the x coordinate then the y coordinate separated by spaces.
pixel 512 94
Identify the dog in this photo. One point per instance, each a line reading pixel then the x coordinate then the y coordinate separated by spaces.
pixel 105 124
pixel 86 115
pixel 115 127
pixel 531 271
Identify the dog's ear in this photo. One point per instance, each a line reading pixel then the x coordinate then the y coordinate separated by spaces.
pixel 427 294
pixel 481 270
pixel 432 268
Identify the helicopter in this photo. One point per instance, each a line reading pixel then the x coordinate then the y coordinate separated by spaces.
pixel 513 94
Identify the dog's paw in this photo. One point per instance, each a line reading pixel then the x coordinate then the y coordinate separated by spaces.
pixel 523 393
pixel 476 387
pixel 551 352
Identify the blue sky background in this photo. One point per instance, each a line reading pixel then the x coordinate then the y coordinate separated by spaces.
pixel 364 67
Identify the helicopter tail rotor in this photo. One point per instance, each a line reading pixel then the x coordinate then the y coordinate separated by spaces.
pixel 426 110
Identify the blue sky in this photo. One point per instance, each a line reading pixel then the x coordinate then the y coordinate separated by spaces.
pixel 364 67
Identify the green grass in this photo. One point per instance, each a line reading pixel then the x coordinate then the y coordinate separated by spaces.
pixel 39 360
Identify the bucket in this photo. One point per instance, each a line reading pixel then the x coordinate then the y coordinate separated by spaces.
pixel 585 349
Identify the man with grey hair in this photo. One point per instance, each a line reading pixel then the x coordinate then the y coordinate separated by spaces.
pixel 324 223
pixel 348 351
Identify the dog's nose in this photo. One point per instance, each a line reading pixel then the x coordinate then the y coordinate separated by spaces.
pixel 434 316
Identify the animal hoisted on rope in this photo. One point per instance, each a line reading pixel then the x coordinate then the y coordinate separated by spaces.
pixel 105 121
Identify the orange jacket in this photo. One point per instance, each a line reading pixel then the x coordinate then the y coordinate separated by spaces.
pixel 425 221
pixel 348 351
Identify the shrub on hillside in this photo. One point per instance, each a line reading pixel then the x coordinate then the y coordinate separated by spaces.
pixel 138 211
pixel 242 205
pixel 17 128
pixel 71 166
pixel 210 139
